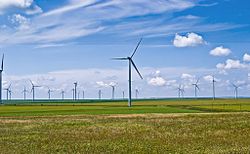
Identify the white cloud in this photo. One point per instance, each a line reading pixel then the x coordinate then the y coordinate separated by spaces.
pixel 191 39
pixel 15 3
pixel 246 57
pixel 20 21
pixel 34 10
pixel 102 84
pixel 28 5
pixel 157 81
pixel 186 76
pixel 220 51
pixel 231 64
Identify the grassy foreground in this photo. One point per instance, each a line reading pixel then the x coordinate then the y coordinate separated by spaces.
pixel 140 133
pixel 165 126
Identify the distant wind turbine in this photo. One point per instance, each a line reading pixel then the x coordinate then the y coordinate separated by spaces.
pixel 75 92
pixel 62 93
pixel 78 95
pixel 24 93
pixel 100 94
pixel 8 92
pixel 136 93
pixel 123 94
pixel 180 91
pixel 131 62
pixel 235 90
pixel 213 87
pixel 33 89
pixel 83 94
pixel 49 93
pixel 1 71
pixel 196 87
pixel 113 90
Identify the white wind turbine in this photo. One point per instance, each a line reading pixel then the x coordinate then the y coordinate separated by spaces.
pixel 33 89
pixel 24 92
pixel 113 85
pixel 196 87
pixel 130 64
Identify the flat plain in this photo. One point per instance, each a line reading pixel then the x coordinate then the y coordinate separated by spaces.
pixel 150 126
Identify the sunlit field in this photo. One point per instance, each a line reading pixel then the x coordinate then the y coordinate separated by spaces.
pixel 150 126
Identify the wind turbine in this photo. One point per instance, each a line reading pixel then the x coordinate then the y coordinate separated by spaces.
pixel 75 91
pixel 10 93
pixel 213 87
pixel 235 90
pixel 83 94
pixel 78 95
pixel 1 70
pixel 49 92
pixel 123 94
pixel 100 94
pixel 62 93
pixel 7 92
pixel 113 90
pixel 24 93
pixel 136 93
pixel 131 62
pixel 33 90
pixel 196 87
pixel 180 91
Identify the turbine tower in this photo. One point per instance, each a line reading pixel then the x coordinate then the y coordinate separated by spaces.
pixel 62 93
pixel 33 90
pixel 1 70
pixel 196 87
pixel 73 94
pixel 24 93
pixel 131 62
pixel 136 93
pixel 75 90
pixel 10 93
pixel 123 94
pixel 78 95
pixel 213 87
pixel 100 94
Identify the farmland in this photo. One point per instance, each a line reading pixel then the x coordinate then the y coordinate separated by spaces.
pixel 150 126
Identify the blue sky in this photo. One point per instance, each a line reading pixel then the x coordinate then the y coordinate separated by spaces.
pixel 55 43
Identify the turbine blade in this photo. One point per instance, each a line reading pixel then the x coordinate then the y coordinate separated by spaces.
pixel 136 69
pixel 198 87
pixel 197 81
pixel 136 48
pixel 31 82
pixel 119 58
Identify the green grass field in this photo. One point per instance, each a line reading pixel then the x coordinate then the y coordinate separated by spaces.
pixel 150 126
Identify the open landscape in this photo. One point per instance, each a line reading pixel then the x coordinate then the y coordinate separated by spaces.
pixel 150 126
pixel 124 76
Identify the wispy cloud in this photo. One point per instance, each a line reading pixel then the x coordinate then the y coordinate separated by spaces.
pixel 82 18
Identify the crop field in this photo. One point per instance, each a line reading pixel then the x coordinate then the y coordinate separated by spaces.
pixel 150 126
